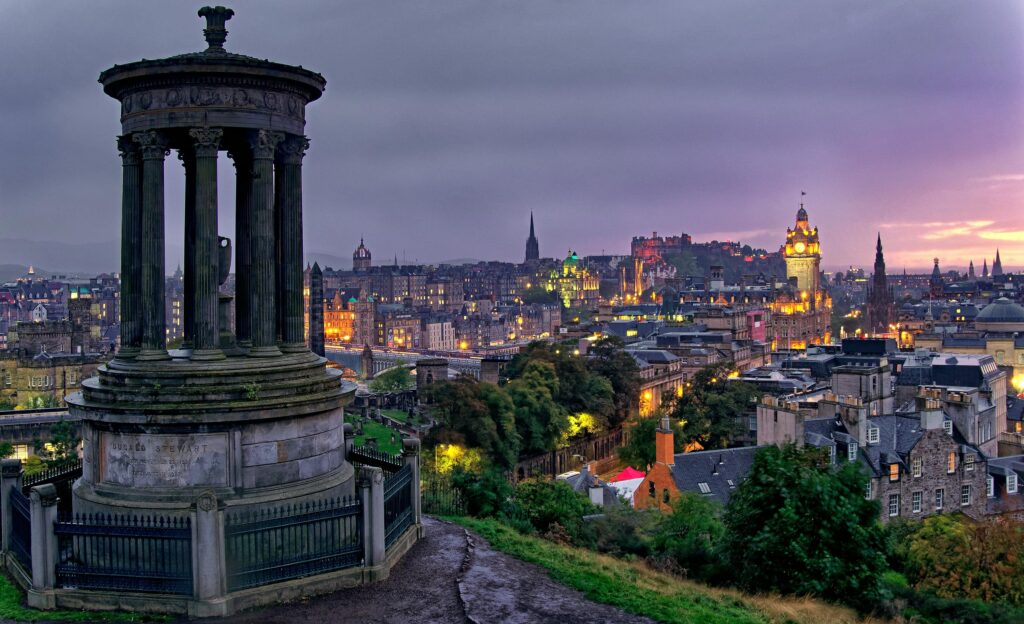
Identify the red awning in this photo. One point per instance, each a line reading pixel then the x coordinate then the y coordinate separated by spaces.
pixel 627 474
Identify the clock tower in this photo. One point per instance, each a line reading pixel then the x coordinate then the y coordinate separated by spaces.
pixel 802 252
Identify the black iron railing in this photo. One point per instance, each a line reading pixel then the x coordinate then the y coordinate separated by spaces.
pixel 369 457
pixel 441 498
pixel 289 542
pixel 64 471
pixel 125 553
pixel 398 510
pixel 21 528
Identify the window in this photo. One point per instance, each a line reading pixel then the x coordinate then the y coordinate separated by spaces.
pixel 1011 483
pixel 948 426
pixel 965 495
pixel 651 489
pixel 867 490
pixel 969 461
pixel 951 462
pixel 832 454
pixel 940 495
pixel 894 472
pixel 872 435
pixel 990 485
pixel 915 501
pixel 704 488
pixel 664 495
pixel 917 466
pixel 851 451
pixel 894 504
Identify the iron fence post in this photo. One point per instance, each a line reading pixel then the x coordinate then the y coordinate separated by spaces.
pixel 371 489
pixel 43 506
pixel 10 476
pixel 411 452
pixel 208 565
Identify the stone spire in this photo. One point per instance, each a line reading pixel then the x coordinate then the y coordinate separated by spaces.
pixel 997 266
pixel 984 267
pixel 970 270
pixel 532 246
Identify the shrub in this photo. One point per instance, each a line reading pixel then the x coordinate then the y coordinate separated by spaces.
pixel 690 535
pixel 623 531
pixel 486 493
pixel 550 503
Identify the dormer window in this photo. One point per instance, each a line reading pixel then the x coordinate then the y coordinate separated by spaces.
pixel 948 426
pixel 969 461
pixel 872 435
pixel 1011 483
pixel 894 472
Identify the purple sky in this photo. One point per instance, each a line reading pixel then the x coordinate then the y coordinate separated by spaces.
pixel 445 122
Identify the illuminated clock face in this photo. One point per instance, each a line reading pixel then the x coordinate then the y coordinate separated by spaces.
pixel 800 247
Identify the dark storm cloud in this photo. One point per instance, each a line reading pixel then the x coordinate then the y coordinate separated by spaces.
pixel 446 122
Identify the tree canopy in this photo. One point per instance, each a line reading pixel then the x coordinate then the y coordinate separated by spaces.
pixel 712 407
pixel 393 380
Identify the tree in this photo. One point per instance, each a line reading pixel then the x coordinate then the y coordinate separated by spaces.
pixel 63 444
pixel 6 450
pixel 607 358
pixel 690 535
pixel 712 409
pixel 797 525
pixel 548 503
pixel 486 493
pixel 393 380
pixel 476 415
pixel 540 419
pixel 638 452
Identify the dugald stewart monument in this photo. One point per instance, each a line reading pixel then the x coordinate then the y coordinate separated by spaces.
pixel 219 475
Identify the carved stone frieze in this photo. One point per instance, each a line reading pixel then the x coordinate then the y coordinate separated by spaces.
pixel 242 98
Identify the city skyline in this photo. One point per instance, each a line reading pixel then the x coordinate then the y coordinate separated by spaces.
pixel 619 126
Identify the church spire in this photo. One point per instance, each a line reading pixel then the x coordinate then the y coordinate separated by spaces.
pixel 532 246
pixel 997 266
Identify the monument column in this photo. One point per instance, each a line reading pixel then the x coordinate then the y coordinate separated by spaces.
pixel 206 339
pixel 263 298
pixel 153 146
pixel 131 241
pixel 243 231
pixel 291 151
pixel 188 161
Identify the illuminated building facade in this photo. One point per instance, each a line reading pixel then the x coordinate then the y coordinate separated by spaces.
pixel 801 314
pixel 575 285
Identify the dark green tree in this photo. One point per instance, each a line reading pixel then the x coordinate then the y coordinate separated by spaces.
pixel 486 493
pixel 690 535
pixel 608 359
pixel 712 407
pixel 476 415
pixel 547 503
pixel 797 525
pixel 540 419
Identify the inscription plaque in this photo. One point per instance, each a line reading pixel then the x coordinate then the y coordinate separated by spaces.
pixel 158 460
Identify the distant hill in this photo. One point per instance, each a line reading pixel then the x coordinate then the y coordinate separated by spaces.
pixel 77 258
pixel 11 272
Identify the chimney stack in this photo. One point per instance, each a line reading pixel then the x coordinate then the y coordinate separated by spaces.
pixel 664 444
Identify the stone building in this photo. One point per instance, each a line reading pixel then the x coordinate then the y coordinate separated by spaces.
pixel 802 312
pixel 361 258
pixel 880 296
pixel 532 246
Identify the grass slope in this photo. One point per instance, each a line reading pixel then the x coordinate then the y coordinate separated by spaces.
pixel 634 587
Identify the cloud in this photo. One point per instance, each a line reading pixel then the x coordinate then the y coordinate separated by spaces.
pixel 1003 235
pixel 1009 177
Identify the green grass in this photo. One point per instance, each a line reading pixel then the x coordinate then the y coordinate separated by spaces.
pixel 636 588
pixel 383 435
pixel 399 415
pixel 12 607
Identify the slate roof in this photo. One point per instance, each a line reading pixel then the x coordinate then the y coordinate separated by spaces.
pixel 1014 408
pixel 716 468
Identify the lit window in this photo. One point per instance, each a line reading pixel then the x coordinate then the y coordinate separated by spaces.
pixel 1011 483
pixel 872 435
pixel 917 466
pixel 965 495
pixel 948 426
pixel 704 488
pixel 894 472
pixel 851 451
pixel 940 495
pixel 951 462
pixel 894 504
pixel 915 501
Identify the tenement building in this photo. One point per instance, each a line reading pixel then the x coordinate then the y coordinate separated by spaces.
pixel 187 453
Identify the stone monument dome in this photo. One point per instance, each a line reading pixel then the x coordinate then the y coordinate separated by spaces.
pixel 1001 315
pixel 243 409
